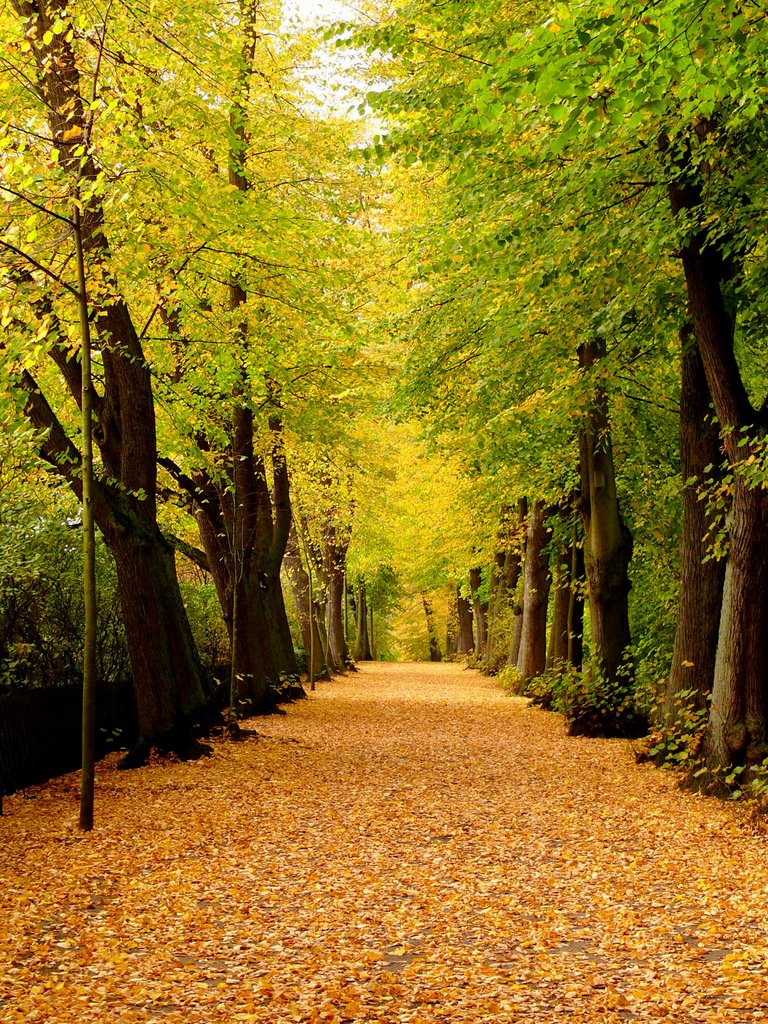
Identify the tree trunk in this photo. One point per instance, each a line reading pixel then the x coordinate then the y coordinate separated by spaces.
pixel 500 624
pixel 480 610
pixel 518 592
pixel 452 631
pixel 531 659
pixel 607 541
pixel 701 583
pixel 738 721
pixel 362 642
pixel 335 554
pixel 435 654
pixel 299 582
pixel 737 733
pixel 465 636
pixel 576 606
pixel 170 697
pixel 557 646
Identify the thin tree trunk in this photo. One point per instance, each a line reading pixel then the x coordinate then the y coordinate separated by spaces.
pixel 335 554
pixel 363 643
pixel 557 646
pixel 435 654
pixel 576 605
pixel 90 640
pixel 480 613
pixel 452 631
pixel 532 655
pixel 300 586
pixel 518 592
pixel 465 635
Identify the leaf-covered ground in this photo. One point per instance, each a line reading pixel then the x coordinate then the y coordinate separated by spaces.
pixel 409 844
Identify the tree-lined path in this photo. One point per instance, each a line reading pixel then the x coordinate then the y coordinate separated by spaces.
pixel 409 844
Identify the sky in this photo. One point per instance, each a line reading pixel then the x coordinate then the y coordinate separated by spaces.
pixel 310 11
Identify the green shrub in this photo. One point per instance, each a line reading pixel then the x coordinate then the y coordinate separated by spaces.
pixel 675 740
pixel 591 704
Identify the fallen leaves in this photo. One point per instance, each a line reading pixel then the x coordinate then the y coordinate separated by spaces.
pixel 409 845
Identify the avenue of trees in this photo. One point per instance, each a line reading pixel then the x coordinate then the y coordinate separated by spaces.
pixel 478 369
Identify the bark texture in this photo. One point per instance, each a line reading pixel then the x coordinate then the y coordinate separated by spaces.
pixel 701 582
pixel 607 541
pixel 298 578
pixel 737 731
pixel 362 641
pixel 335 545
pixel 465 637
pixel 479 612
pixel 435 654
pixel 532 654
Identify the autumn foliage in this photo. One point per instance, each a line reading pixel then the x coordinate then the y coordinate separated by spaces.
pixel 409 844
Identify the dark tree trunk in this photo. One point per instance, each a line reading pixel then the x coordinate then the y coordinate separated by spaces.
pixel 500 615
pixel 517 595
pixel 452 631
pixel 335 554
pixel 607 541
pixel 435 654
pixel 576 606
pixel 244 531
pixel 362 641
pixel 480 611
pixel 701 583
pixel 737 731
pixel 557 646
pixel 465 636
pixel 532 655
pixel 170 697
pixel 299 582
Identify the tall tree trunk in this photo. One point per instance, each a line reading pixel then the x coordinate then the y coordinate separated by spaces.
pixel 531 659
pixel 335 555
pixel 518 592
pixel 160 641
pixel 244 531
pixel 500 616
pixel 435 654
pixel 701 582
pixel 466 639
pixel 607 541
pixel 299 582
pixel 362 642
pixel 576 605
pixel 452 631
pixel 737 731
pixel 480 611
pixel 557 645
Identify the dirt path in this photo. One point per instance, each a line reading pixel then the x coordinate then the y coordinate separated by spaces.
pixel 409 844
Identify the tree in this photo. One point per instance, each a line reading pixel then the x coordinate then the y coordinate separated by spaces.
pixel 171 692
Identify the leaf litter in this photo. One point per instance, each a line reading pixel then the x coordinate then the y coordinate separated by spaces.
pixel 408 845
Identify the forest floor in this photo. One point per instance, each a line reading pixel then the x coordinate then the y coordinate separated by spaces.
pixel 410 844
